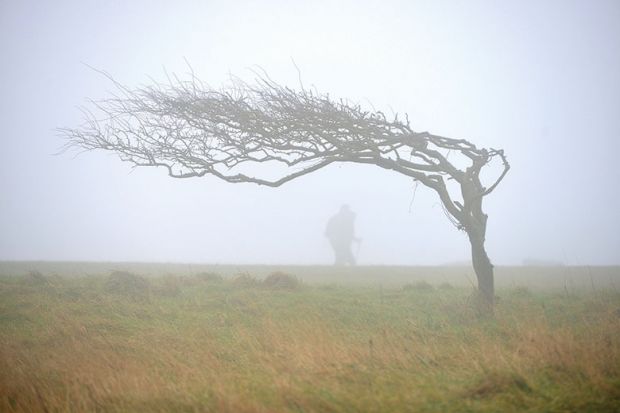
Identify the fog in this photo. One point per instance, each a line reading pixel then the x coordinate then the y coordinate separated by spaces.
pixel 539 79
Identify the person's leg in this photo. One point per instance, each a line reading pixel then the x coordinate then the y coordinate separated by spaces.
pixel 349 257
pixel 340 254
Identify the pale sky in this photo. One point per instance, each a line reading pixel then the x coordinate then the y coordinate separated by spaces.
pixel 540 79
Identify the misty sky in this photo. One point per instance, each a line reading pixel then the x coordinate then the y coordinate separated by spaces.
pixel 540 79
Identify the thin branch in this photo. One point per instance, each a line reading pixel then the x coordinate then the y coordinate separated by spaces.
pixel 193 130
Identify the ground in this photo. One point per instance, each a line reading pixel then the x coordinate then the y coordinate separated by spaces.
pixel 200 342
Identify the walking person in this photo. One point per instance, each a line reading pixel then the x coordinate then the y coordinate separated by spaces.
pixel 340 231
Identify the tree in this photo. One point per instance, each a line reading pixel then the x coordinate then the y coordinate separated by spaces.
pixel 239 132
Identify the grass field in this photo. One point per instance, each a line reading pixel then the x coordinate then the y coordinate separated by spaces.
pixel 199 342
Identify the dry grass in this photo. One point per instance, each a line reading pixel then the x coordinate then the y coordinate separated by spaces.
pixel 191 344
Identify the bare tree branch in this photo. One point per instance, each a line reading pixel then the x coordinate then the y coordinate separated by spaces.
pixel 269 134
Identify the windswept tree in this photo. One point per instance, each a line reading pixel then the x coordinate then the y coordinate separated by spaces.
pixel 268 134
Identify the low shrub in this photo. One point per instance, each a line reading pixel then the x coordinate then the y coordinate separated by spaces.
pixel 445 286
pixel 281 281
pixel 124 282
pixel 521 291
pixel 210 277
pixel 244 280
pixel 35 277
pixel 419 286
pixel 494 383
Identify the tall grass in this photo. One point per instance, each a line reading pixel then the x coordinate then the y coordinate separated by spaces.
pixel 201 343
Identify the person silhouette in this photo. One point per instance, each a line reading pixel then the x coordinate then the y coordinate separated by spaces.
pixel 340 231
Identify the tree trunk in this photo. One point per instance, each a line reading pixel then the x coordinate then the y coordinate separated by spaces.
pixel 474 221
pixel 484 273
